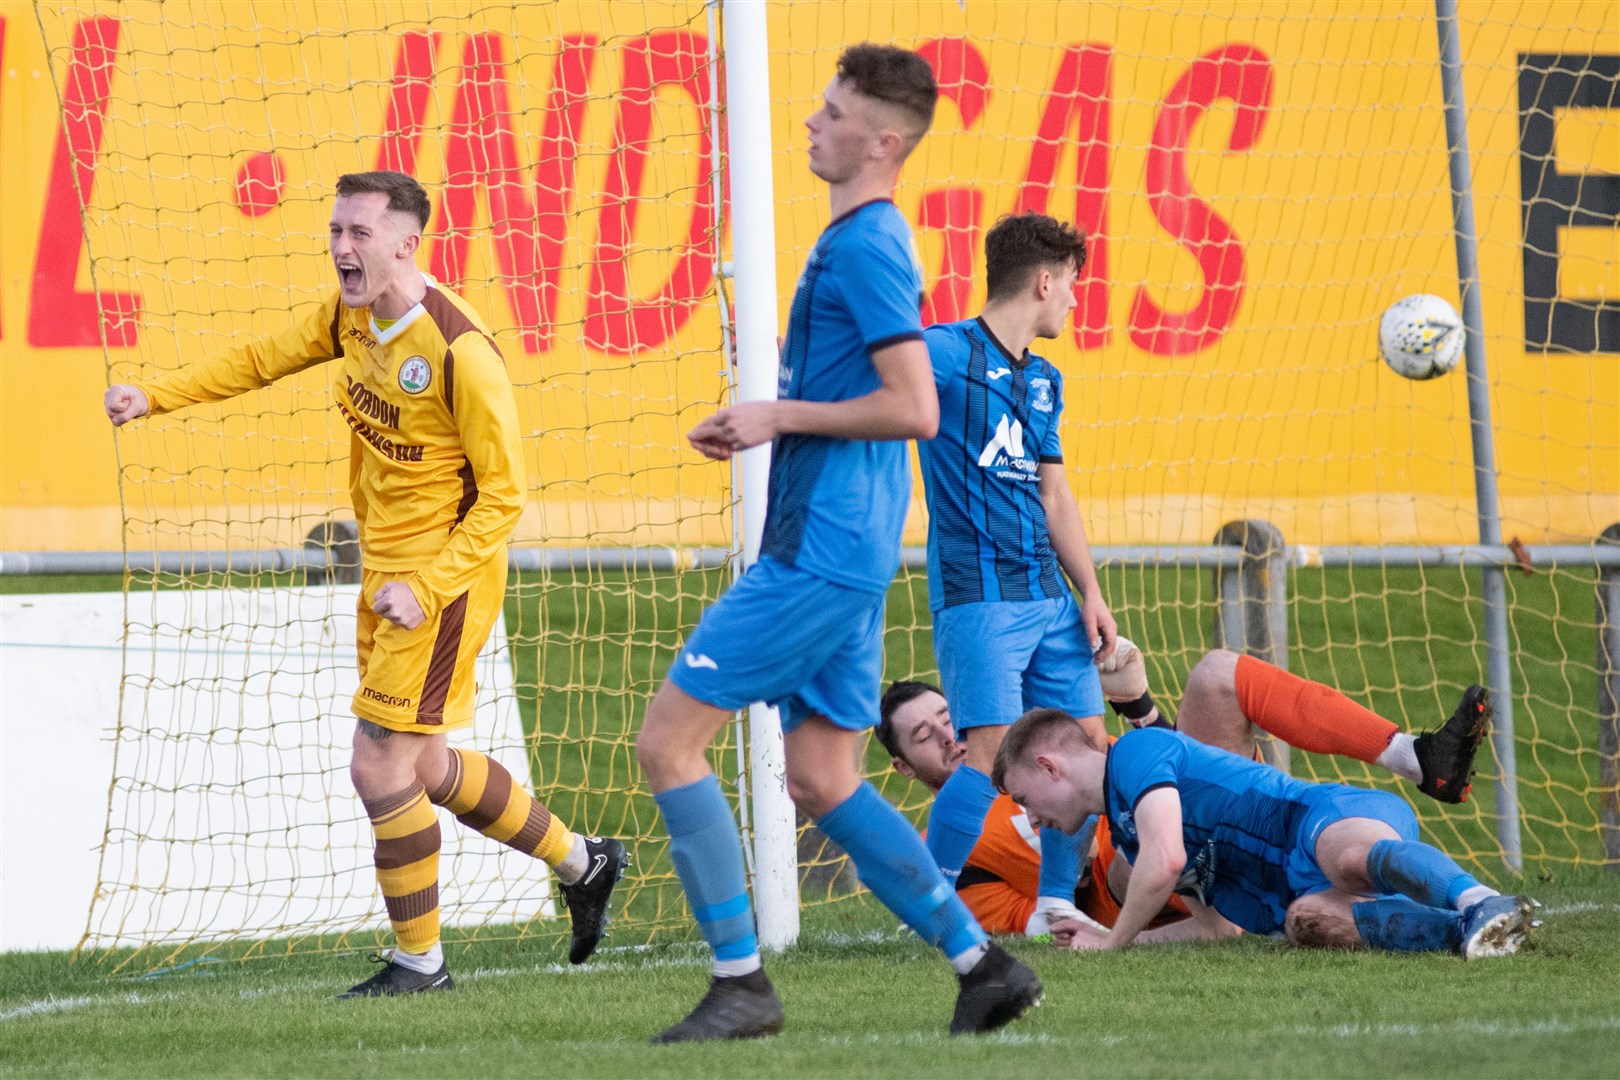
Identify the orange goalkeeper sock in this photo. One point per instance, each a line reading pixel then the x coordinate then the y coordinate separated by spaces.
pixel 1309 715
pixel 407 831
pixel 483 796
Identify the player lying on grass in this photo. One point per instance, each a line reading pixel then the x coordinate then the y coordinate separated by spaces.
pixel 1227 697
pixel 1322 865
pixel 437 478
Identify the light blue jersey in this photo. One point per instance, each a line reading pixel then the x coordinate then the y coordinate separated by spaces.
pixel 1249 830
pixel 998 421
pixel 837 506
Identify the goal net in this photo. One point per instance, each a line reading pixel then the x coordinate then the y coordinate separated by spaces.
pixel 1259 181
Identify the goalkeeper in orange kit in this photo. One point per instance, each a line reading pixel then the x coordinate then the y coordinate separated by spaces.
pixel 437 479
pixel 1227 698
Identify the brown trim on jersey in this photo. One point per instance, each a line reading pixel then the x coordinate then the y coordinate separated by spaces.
pixel 404 850
pixel 451 320
pixel 492 803
pixel 442 663
pixel 337 342
pixel 469 491
pixel 412 905
pixel 450 381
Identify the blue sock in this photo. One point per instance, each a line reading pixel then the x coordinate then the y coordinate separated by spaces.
pixel 707 852
pixel 1426 874
pixel 1060 862
pixel 892 861
pixel 957 819
pixel 1396 924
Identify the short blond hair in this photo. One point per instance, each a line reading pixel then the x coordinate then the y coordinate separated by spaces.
pixel 1037 731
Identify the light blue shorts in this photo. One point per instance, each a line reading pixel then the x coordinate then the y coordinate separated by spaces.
pixel 999 659
pixel 1337 802
pixel 792 639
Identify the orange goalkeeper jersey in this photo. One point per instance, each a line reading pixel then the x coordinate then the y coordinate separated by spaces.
pixel 435 464
pixel 1001 878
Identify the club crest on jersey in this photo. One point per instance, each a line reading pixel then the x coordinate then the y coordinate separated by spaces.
pixel 414 375
pixel 1041 389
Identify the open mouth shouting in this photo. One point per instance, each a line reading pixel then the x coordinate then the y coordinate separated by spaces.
pixel 351 277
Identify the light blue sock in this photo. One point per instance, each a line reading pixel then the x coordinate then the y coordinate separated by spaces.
pixel 957 819
pixel 1396 924
pixel 1426 874
pixel 707 852
pixel 892 861
pixel 1060 862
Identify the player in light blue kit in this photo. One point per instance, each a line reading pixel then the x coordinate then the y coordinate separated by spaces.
pixel 1322 865
pixel 803 627
pixel 1003 529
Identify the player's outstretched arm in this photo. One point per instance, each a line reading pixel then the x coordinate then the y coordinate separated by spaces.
pixel 905 406
pixel 124 403
pixel 1160 858
pixel 1068 535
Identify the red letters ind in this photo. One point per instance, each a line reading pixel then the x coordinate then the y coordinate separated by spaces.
pixel 1080 96
pixel 963 77
pixel 1237 73
pixel 59 315
pixel 481 153
pixel 615 321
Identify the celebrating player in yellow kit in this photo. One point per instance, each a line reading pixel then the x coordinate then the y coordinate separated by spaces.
pixel 436 475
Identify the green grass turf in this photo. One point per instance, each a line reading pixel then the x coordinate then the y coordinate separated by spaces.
pixel 862 1000
pixel 589 649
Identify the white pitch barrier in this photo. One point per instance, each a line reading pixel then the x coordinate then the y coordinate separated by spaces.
pixel 232 814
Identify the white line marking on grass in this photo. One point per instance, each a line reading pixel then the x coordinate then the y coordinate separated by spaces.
pixel 48 1005
pixel 45 1006
pixel 1579 908
pixel 1510 1028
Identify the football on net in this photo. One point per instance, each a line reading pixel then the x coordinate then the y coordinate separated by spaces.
pixel 1421 336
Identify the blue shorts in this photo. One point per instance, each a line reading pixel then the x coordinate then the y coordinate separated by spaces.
pixel 999 659
pixel 792 639
pixel 1335 802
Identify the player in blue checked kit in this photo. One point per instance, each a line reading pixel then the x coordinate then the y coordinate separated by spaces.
pixel 802 628
pixel 1322 865
pixel 1003 530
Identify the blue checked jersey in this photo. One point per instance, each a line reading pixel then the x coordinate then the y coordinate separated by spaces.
pixel 837 506
pixel 1239 820
pixel 998 421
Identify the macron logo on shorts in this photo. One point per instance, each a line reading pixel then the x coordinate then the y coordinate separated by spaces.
pixel 700 660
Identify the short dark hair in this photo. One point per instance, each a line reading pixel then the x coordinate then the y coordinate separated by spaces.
pixel 404 193
pixel 894 76
pixel 1020 244
pixel 1036 730
pixel 900 692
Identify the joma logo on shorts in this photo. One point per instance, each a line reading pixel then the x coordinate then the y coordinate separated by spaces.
pixel 385 699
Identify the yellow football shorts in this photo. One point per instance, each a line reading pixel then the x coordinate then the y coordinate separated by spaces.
pixel 422 680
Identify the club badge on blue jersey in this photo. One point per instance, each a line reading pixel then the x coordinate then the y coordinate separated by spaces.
pixel 1040 395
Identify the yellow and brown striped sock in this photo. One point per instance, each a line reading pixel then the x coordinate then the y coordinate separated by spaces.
pixel 407 830
pixel 483 796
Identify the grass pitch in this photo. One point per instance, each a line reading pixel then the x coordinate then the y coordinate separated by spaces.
pixel 863 999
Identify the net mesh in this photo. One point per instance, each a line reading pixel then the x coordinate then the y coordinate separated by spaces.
pixel 1259 183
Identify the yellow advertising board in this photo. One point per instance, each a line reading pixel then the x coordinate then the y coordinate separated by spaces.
pixel 1260 180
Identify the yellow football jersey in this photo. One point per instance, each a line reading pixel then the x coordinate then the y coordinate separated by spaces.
pixel 435 465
